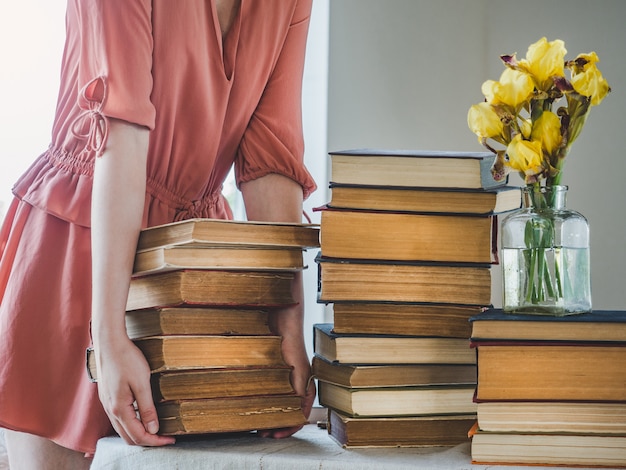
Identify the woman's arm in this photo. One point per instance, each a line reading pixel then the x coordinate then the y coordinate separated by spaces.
pixel 117 209
pixel 276 198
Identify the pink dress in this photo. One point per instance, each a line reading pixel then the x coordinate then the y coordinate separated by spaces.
pixel 160 64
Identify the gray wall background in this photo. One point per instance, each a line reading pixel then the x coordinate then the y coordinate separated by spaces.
pixel 403 73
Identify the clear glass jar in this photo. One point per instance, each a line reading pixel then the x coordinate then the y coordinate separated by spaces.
pixel 545 256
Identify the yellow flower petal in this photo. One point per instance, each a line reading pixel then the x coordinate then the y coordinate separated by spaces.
pixel 547 130
pixel 513 89
pixel 525 156
pixel 484 121
pixel 545 60
pixel 591 83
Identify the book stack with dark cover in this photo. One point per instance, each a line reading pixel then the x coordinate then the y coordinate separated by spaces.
pixel 407 244
pixel 199 308
pixel 551 390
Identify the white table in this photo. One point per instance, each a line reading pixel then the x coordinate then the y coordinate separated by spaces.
pixel 309 449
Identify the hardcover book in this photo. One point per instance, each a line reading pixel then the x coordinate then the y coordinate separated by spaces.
pixel 196 321
pixel 210 287
pixel 197 352
pixel 408 237
pixel 219 232
pixel 422 168
pixel 231 257
pixel 392 375
pixel 404 431
pixel 398 401
pixel 425 200
pixel 551 371
pixel 219 415
pixel 399 318
pixel 347 280
pixel 599 325
pixel 389 349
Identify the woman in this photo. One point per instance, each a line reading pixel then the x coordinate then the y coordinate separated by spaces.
pixel 158 100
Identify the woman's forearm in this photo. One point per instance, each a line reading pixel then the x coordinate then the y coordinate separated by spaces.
pixel 117 209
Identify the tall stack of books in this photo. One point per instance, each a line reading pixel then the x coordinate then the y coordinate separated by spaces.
pixel 199 308
pixel 551 390
pixel 407 244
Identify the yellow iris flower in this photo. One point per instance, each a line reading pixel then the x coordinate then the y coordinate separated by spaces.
pixel 544 60
pixel 485 122
pixel 547 130
pixel 514 89
pixel 525 156
pixel 587 78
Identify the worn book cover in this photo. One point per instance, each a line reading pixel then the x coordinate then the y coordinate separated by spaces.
pixel 599 325
pixel 389 349
pixel 197 321
pixel 196 287
pixel 425 200
pixel 392 375
pixel 398 401
pixel 349 280
pixel 397 236
pixel 220 232
pixel 422 168
pixel 228 257
pixel 219 415
pixel 197 352
pixel 400 318
pixel 551 370
pixel 413 431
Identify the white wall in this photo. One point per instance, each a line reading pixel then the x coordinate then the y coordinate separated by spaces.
pixel 403 73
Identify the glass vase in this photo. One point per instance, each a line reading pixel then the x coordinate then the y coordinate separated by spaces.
pixel 545 256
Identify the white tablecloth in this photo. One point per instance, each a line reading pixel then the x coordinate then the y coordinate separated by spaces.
pixel 309 449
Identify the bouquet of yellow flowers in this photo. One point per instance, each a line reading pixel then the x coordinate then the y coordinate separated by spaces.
pixel 518 110
pixel 535 114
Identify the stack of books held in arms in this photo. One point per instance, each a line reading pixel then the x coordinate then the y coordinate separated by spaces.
pixel 408 239
pixel 199 308
pixel 551 390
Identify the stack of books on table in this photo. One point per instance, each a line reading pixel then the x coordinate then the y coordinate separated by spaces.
pixel 407 244
pixel 199 308
pixel 551 390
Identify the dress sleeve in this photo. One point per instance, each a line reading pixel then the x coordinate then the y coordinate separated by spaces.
pixel 273 141
pixel 115 63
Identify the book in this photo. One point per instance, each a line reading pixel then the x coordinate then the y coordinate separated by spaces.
pixel 408 237
pixel 414 431
pixel 220 415
pixel 397 318
pixel 555 371
pixel 590 450
pixel 422 168
pixel 397 401
pixel 599 325
pixel 221 383
pixel 195 352
pixel 196 321
pixel 218 257
pixel 392 375
pixel 552 417
pixel 210 287
pixel 344 280
pixel 425 200
pixel 389 349
pixel 220 232
pixel 213 382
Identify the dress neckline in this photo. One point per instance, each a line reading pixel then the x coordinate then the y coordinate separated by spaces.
pixel 228 42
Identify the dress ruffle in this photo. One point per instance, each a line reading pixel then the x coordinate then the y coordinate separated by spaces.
pixel 60 184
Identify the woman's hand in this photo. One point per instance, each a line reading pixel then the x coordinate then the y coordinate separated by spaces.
pixel 124 390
